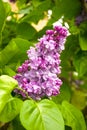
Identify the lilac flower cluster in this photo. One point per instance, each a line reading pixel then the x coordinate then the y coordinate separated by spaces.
pixel 38 76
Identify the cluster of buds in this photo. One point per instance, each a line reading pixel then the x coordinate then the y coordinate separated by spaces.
pixel 38 76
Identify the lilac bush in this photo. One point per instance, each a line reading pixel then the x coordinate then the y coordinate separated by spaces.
pixel 38 75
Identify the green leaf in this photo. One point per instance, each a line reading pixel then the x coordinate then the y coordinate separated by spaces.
pixel 21 3
pixel 2 15
pixel 8 71
pixel 44 115
pixel 80 63
pixel 83 41
pixel 23 45
pixel 7 84
pixel 72 116
pixel 79 99
pixel 37 13
pixel 26 31
pixel 65 94
pixel 10 110
pixel 36 3
pixel 7 8
pixel 2 18
pixel 26 10
pixel 14 51
pixel 62 8
pixel 67 55
pixel 8 52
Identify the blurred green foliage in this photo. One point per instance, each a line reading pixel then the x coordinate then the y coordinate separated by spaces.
pixel 17 34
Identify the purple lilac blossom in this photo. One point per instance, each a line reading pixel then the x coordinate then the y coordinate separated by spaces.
pixel 38 76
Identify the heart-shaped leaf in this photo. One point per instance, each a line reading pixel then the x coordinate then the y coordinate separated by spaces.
pixel 44 115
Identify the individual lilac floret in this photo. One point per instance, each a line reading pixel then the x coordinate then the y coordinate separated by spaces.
pixel 38 76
